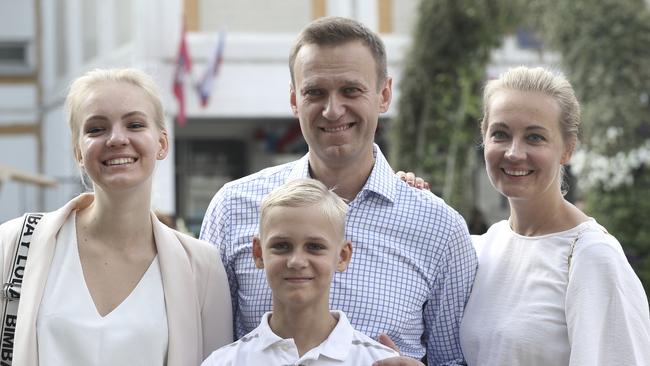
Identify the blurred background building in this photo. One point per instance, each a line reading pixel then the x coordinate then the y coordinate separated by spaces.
pixel 246 124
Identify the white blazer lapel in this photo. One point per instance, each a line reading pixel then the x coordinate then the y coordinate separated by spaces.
pixel 39 259
pixel 181 299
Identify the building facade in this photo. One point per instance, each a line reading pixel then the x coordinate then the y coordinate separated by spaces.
pixel 247 124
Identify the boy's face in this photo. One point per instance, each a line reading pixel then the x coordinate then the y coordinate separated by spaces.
pixel 300 249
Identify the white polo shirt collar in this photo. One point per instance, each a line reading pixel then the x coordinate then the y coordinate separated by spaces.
pixel 336 346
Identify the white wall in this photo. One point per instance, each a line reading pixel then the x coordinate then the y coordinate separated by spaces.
pixel 58 159
pixel 18 151
pixel 254 16
pixel 18 104
pixel 253 82
pixel 17 19
pixel 150 45
pixel 17 25
pixel 18 107
pixel 404 16
pixel 254 79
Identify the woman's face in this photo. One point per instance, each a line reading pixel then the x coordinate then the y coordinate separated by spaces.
pixel 524 146
pixel 119 141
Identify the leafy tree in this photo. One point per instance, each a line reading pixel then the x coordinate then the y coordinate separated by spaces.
pixel 435 133
pixel 605 48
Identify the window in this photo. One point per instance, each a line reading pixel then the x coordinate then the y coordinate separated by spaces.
pixel 15 58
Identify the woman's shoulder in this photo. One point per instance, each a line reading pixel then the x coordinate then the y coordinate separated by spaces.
pixel 598 254
pixel 55 218
pixel 28 223
pixel 195 248
pixel 599 261
pixel 10 232
pixel 494 230
pixel 172 243
pixel 202 257
pixel 11 226
pixel 594 238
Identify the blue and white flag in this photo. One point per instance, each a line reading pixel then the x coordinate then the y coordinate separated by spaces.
pixel 205 85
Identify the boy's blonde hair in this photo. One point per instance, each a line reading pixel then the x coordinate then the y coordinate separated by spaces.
pixel 306 192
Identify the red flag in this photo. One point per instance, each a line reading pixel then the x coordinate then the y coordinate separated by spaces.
pixel 204 86
pixel 183 67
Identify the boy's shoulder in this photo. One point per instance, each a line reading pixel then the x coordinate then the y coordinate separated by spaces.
pixel 361 349
pixel 231 354
pixel 362 344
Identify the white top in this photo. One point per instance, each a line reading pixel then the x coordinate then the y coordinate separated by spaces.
pixel 71 332
pixel 528 308
pixel 344 346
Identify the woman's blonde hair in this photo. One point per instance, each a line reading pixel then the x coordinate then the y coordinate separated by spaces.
pixel 540 80
pixel 83 85
pixel 537 79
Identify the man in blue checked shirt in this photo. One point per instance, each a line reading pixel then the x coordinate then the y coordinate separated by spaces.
pixel 413 263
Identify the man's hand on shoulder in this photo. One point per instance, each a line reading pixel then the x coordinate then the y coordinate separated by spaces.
pixel 395 361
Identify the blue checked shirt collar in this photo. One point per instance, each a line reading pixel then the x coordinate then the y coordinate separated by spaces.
pixel 380 175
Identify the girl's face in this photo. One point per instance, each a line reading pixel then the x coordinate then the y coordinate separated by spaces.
pixel 119 141
pixel 524 146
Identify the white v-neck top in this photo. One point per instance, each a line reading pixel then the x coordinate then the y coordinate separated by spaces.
pixel 71 332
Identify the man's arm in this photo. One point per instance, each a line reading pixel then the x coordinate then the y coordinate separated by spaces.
pixel 444 310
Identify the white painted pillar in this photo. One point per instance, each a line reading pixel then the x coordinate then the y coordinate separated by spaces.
pixel 159 30
pixel 341 8
pixel 367 12
pixel 155 47
pixel 49 59
pixel 106 21
pixel 73 36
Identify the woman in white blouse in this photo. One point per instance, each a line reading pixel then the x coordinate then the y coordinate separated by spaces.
pixel 552 287
pixel 105 282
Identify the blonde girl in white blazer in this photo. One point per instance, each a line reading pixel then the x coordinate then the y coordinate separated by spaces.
pixel 105 282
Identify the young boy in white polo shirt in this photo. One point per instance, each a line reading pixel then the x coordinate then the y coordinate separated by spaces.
pixel 301 244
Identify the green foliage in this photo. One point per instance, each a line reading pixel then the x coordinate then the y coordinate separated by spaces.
pixel 435 132
pixel 624 212
pixel 605 49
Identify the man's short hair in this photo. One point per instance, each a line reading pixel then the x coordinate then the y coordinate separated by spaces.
pixel 306 192
pixel 334 31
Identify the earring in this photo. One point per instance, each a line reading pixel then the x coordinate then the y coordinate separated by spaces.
pixel 160 155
